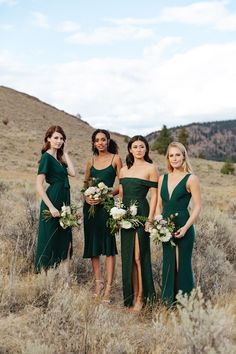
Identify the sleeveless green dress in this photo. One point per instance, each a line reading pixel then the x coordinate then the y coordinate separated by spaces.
pixel 136 189
pixel 97 237
pixel 173 281
pixel 54 242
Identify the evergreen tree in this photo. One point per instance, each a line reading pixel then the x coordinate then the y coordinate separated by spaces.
pixel 183 137
pixel 228 167
pixel 163 140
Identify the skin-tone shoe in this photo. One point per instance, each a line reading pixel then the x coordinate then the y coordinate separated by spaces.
pixel 107 295
pixel 99 288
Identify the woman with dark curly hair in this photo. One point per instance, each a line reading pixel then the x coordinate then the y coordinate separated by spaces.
pixel 104 165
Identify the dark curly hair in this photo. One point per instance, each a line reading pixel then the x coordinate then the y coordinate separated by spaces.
pixel 112 146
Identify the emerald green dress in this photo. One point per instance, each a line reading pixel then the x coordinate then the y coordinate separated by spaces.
pixel 54 242
pixel 98 239
pixel 173 281
pixel 136 189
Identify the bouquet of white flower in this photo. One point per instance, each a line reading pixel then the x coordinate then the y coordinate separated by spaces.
pixel 69 216
pixel 161 230
pixel 124 218
pixel 96 190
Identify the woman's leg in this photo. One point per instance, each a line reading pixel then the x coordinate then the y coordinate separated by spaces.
pixel 97 275
pixel 139 286
pixel 110 267
pixel 135 281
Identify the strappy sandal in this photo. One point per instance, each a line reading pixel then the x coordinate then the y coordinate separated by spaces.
pixel 107 299
pixel 99 289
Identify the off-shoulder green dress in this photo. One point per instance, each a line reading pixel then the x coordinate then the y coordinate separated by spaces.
pixel 98 239
pixel 54 242
pixel 136 189
pixel 173 281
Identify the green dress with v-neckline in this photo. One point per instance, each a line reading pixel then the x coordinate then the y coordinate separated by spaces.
pixel 173 281
pixel 136 189
pixel 98 239
pixel 54 242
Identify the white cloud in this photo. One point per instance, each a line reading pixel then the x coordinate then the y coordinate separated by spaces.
pixel 40 20
pixel 68 26
pixel 8 2
pixel 110 34
pixel 136 96
pixel 228 23
pixel 5 27
pixel 130 21
pixel 157 50
pixel 198 13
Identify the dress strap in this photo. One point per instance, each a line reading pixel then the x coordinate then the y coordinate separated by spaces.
pixel 112 158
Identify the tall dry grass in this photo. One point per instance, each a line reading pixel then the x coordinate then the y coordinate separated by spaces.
pixel 51 314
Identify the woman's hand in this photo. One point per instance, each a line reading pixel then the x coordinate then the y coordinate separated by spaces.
pixel 180 232
pixel 65 147
pixel 92 201
pixel 55 213
pixel 147 225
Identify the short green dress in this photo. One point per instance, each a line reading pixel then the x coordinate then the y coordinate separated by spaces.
pixel 54 242
pixel 173 281
pixel 136 189
pixel 98 239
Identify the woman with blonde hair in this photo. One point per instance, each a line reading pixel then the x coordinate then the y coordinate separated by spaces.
pixel 176 188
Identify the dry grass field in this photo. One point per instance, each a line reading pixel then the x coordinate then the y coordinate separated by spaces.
pixel 51 314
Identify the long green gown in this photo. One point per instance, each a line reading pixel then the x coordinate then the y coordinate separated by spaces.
pixel 98 239
pixel 136 189
pixel 54 242
pixel 173 281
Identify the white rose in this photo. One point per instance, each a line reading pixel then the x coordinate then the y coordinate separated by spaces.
pixel 154 232
pixel 68 210
pixel 90 191
pixel 117 213
pixel 133 210
pixel 167 237
pixel 62 224
pixel 158 218
pixel 125 224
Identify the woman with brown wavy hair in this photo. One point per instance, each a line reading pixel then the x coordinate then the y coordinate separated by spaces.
pixel 54 242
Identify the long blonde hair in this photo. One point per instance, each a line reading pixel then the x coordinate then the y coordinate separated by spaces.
pixel 186 163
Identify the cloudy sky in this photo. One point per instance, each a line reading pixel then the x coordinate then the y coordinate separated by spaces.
pixel 129 65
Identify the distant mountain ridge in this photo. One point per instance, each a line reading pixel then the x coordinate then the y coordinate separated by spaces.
pixel 212 140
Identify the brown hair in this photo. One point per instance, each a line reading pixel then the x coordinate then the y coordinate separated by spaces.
pixel 186 163
pixel 130 157
pixel 46 146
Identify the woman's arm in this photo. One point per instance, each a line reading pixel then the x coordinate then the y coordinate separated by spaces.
pixel 117 166
pixel 194 187
pixel 40 189
pixel 154 176
pixel 89 200
pixel 121 174
pixel 159 206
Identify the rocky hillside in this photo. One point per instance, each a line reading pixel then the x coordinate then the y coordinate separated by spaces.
pixel 212 140
pixel 23 122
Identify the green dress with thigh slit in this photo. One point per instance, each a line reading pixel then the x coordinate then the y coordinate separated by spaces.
pixel 98 239
pixel 136 189
pixel 54 242
pixel 173 281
